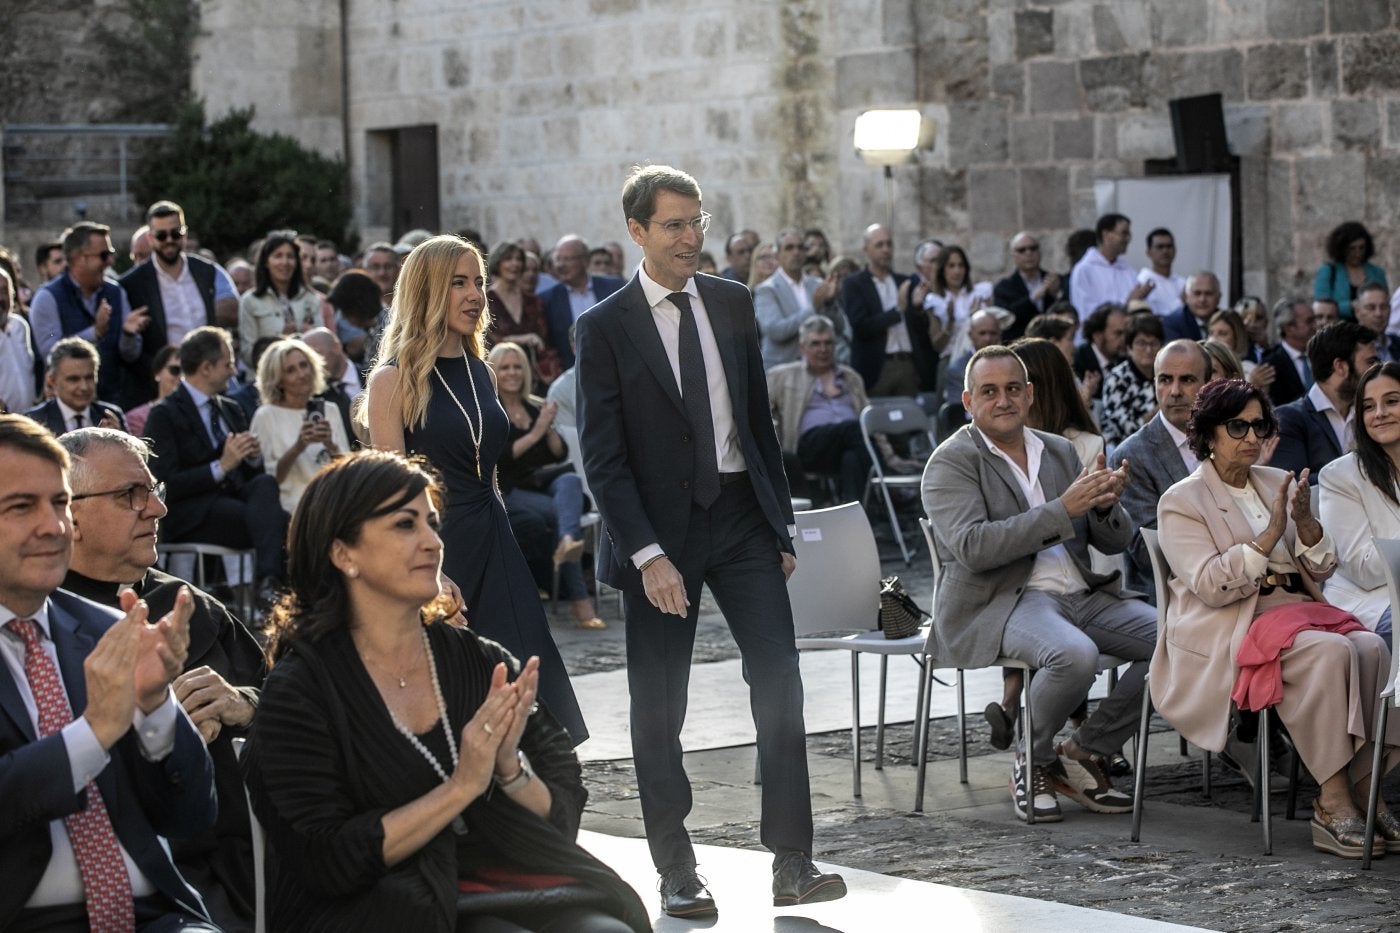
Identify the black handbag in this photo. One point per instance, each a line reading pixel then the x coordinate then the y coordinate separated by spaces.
pixel 900 616
pixel 540 477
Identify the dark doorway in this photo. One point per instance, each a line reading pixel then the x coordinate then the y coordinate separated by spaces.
pixel 415 174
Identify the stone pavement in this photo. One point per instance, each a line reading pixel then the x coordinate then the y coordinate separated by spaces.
pixel 1199 863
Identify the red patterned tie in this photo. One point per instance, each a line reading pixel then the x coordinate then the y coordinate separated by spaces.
pixel 105 881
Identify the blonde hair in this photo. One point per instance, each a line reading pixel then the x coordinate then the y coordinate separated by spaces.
pixel 269 378
pixel 527 387
pixel 417 325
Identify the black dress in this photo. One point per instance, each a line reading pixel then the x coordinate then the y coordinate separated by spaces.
pixel 324 763
pixel 480 552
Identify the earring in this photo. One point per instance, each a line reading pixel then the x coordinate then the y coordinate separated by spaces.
pixel 354 572
pixel 1212 454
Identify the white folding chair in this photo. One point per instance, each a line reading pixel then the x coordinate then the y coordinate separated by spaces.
pixel 259 840
pixel 1390 550
pixel 244 558
pixel 835 595
pixel 1107 662
pixel 1161 573
pixel 894 417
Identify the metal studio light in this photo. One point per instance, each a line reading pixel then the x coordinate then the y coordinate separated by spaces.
pixel 891 137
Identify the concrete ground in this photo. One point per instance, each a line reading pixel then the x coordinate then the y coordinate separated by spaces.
pixel 1200 862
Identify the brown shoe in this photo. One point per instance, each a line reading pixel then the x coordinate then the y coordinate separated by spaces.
pixel 568 550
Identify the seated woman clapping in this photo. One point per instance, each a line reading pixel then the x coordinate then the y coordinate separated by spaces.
pixel 1246 619
pixel 405 775
pixel 1360 500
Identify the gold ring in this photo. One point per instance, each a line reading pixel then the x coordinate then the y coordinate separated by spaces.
pixel 487 727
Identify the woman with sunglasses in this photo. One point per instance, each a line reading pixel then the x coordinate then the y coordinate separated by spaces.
pixel 165 366
pixel 1246 620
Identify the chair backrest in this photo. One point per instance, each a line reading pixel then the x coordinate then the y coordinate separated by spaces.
pixel 836 586
pixel 570 438
pixel 936 566
pixel 1161 573
pixel 894 416
pixel 1390 551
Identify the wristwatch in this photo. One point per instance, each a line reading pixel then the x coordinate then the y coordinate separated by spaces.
pixel 522 777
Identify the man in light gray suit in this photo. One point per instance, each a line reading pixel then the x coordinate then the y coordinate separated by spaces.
pixel 1013 517
pixel 786 299
pixel 1159 453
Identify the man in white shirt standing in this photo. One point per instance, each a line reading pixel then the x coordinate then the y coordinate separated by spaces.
pixel 1103 275
pixel 1167 289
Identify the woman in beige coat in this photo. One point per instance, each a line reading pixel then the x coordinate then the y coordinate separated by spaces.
pixel 1242 542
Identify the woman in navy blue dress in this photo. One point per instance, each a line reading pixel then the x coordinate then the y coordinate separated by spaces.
pixel 432 394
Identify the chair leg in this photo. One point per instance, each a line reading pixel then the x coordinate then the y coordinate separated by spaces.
pixel 894 523
pixel 1140 759
pixel 855 724
pixel 962 729
pixel 925 702
pixel 925 674
pixel 880 716
pixel 1292 785
pixel 1265 816
pixel 1028 733
pixel 1181 746
pixel 1374 797
pixel 1206 789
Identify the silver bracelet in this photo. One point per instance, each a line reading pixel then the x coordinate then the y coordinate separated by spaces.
pixel 522 777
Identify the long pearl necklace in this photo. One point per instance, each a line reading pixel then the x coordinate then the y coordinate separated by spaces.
pixel 473 428
pixel 459 826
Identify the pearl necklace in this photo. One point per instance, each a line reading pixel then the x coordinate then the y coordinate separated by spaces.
pixel 459 826
pixel 475 434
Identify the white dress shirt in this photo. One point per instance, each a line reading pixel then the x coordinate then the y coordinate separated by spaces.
pixel 179 296
pixel 1054 570
pixel 1096 280
pixel 61 882
pixel 1165 296
pixel 1342 427
pixel 897 337
pixel 1183 445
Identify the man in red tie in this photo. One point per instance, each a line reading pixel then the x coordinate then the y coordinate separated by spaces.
pixel 96 757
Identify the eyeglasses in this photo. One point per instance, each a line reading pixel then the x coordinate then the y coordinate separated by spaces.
pixel 160 236
pixel 1033 248
pixel 138 495
pixel 674 228
pixel 104 255
pixel 1238 428
pixel 1147 345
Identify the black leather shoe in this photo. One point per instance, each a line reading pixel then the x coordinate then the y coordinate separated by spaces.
pixel 797 881
pixel 683 893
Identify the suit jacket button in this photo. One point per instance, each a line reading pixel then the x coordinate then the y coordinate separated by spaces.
pixel 685 438
pixel 685 484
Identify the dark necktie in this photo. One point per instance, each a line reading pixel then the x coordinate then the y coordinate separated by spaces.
pixel 106 885
pixel 78 421
pixel 216 427
pixel 695 392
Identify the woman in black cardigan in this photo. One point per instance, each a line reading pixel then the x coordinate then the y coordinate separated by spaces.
pixel 403 772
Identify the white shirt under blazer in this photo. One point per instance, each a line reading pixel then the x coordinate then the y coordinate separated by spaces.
pixel 1353 511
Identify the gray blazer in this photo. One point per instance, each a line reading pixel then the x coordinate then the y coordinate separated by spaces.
pixel 1154 466
pixel 987 538
pixel 779 316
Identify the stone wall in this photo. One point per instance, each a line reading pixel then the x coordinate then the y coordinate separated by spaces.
pixel 542 106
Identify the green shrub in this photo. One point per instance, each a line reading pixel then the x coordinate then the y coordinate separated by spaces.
pixel 236 184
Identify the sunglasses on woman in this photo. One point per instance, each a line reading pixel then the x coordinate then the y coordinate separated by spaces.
pixel 1238 428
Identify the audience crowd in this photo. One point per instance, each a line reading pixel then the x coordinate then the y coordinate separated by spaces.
pixel 202 402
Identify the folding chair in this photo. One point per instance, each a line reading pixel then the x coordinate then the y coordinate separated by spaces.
pixel 894 417
pixel 591 522
pixel 835 595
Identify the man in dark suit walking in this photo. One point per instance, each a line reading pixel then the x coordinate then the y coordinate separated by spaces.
pixel 72 378
pixel 684 464
pixel 212 465
pixel 97 761
pixel 576 292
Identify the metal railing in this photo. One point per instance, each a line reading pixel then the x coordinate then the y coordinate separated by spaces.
pixel 44 163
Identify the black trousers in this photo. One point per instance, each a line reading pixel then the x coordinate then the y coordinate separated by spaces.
pixel 249 515
pixel 731 547
pixel 838 450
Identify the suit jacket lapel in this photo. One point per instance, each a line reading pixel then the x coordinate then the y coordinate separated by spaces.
pixel 72 646
pixel 1322 425
pixel 637 323
pixel 189 412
